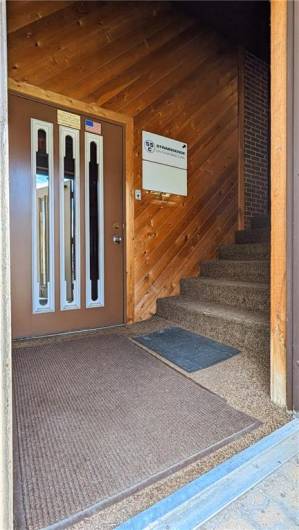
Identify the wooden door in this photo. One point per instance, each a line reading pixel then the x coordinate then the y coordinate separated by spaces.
pixel 66 201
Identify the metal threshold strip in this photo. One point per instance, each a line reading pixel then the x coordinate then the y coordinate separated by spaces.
pixel 200 500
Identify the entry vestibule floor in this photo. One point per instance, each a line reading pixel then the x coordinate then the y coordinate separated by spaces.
pixel 242 380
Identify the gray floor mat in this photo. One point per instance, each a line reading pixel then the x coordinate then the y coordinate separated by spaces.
pixel 186 349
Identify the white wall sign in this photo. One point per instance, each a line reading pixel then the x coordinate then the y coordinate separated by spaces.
pixel 164 164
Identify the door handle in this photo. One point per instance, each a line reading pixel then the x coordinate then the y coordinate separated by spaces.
pixel 117 240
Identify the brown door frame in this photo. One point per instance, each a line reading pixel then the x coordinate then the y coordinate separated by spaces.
pixel 52 98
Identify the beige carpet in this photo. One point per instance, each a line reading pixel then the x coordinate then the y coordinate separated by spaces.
pixel 97 418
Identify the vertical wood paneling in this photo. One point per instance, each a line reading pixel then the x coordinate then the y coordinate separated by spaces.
pixel 175 78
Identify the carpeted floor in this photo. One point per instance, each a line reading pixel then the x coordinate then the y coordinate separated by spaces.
pixel 98 418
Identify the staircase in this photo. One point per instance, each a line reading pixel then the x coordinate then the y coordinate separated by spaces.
pixel 229 301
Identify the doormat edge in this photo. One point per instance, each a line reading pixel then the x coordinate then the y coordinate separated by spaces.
pixel 101 505
pixel 177 369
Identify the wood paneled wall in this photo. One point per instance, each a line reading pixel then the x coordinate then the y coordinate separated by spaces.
pixel 175 78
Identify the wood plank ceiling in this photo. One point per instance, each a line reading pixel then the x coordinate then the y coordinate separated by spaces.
pixel 175 78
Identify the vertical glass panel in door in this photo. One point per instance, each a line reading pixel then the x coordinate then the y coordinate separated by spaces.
pixel 69 218
pixel 42 212
pixel 42 197
pixel 94 220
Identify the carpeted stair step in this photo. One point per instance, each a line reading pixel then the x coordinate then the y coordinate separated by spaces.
pixel 260 221
pixel 236 327
pixel 253 251
pixel 246 295
pixel 258 235
pixel 246 270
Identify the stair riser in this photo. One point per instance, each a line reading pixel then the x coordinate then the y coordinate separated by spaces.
pixel 241 335
pixel 246 272
pixel 259 235
pixel 243 252
pixel 250 298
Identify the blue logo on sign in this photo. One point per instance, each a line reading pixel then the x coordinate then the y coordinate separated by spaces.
pixel 149 146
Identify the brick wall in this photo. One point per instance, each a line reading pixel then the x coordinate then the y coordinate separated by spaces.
pixel 256 136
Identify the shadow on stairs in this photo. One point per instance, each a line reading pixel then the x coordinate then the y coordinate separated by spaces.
pixel 230 300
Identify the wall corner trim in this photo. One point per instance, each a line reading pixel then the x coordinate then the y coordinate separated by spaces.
pixel 6 468
pixel 279 59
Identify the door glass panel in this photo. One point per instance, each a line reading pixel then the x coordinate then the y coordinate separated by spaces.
pixel 42 163
pixel 69 218
pixel 94 220
pixel 42 196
